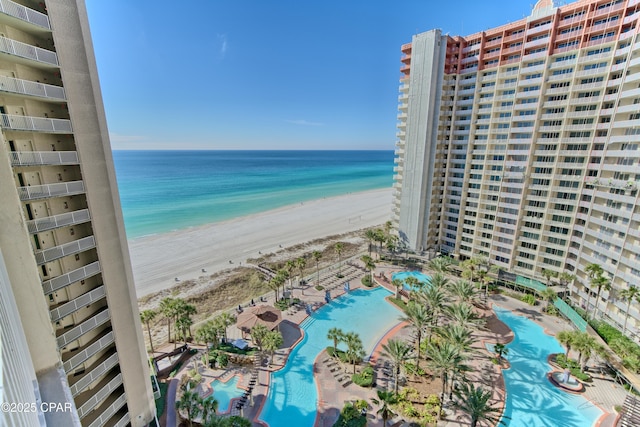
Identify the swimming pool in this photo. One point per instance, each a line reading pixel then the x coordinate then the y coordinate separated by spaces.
pixel 293 397
pixel 532 401
pixel 422 278
pixel 223 392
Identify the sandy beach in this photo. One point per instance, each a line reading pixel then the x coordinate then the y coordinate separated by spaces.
pixel 157 260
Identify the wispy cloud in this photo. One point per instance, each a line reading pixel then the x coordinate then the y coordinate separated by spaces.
pixel 224 45
pixel 304 123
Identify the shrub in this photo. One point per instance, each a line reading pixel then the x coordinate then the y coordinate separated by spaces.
pixel 319 288
pixel 222 360
pixel 552 310
pixel 529 299
pixel 366 281
pixel 350 416
pixel 364 378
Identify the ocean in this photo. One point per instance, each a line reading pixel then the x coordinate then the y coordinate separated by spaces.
pixel 163 191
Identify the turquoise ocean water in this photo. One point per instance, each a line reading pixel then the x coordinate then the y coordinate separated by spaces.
pixel 163 191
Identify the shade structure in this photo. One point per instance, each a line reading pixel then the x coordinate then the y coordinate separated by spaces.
pixel 240 343
pixel 266 315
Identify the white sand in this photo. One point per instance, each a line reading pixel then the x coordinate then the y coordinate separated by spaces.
pixel 157 260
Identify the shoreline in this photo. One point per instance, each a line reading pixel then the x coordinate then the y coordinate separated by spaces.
pixel 159 259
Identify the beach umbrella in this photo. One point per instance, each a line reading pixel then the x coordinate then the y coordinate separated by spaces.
pixel 266 315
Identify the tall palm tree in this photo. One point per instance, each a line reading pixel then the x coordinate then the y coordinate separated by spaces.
pixel 457 335
pixel 316 257
pixel 225 320
pixel 400 353
pixel 565 278
pixel 475 403
pixel 209 333
pixel 600 283
pixel 398 284
pixel 385 400
pixel 337 335
pixel 463 314
pixel 189 402
pixel 339 248
pixel 379 237
pixel 440 264
pixel 167 308
pixel 469 268
pixel 444 359
pixel 549 296
pixel 355 350
pixel 412 283
pixel 274 285
pixel 438 281
pixel 369 265
pixel 301 263
pixel 289 266
pixel 436 301
pixel 146 317
pixel 370 234
pixel 548 275
pixel 183 325
pixel 586 345
pixel 593 271
pixel 463 291
pixel 281 277
pixel 208 409
pixel 258 334
pixel 628 295
pixel 419 318
pixel 566 338
pixel 272 341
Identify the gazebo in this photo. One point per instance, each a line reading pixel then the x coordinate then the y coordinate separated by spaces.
pixel 266 315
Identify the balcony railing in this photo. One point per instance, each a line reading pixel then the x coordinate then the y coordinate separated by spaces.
pixel 76 304
pixel 84 327
pixel 95 373
pixel 100 396
pixel 24 13
pixel 35 124
pixel 64 250
pixel 57 221
pixel 124 421
pixel 108 413
pixel 27 87
pixel 613 183
pixel 32 158
pixel 92 349
pixel 24 50
pixel 35 192
pixel 66 279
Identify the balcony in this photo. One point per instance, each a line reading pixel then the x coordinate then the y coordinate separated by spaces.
pixel 76 304
pixel 47 158
pixel 35 124
pixel 103 366
pixel 66 279
pixel 36 192
pixel 88 325
pixel 114 404
pixel 29 88
pixel 27 51
pixel 104 391
pixel 64 250
pixel 87 352
pixel 57 221
pixel 24 14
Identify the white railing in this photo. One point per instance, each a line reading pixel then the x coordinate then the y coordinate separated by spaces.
pixel 29 158
pixel 29 15
pixel 76 360
pixel 100 396
pixel 95 373
pixel 28 51
pixel 124 421
pixel 27 87
pixel 36 124
pixel 108 413
pixel 57 221
pixel 66 279
pixel 76 304
pixel 84 327
pixel 50 190
pixel 51 254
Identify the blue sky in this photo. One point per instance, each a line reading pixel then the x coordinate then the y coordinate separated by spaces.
pixel 256 74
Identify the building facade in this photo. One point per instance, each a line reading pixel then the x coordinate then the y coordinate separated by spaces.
pixel 62 239
pixel 521 144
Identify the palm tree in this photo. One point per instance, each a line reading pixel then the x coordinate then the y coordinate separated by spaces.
pixel 355 350
pixel 301 263
pixel 369 265
pixel 444 359
pixel 289 266
pixel 436 301
pixel 501 350
pixel 272 341
pixel 566 338
pixel 339 248
pixel 412 283
pixel 549 296
pixel 586 345
pixel 565 278
pixel 316 257
pixel 225 320
pixel 370 234
pixel 438 281
pixel 258 333
pixel 418 317
pixel 208 333
pixel 398 284
pixel 463 314
pixel 167 308
pixel 385 399
pixel 146 316
pixel 463 291
pixel 337 335
pixel 600 282
pixel 548 275
pixel 183 324
pixel 628 295
pixel 208 409
pixel 380 237
pixel 457 335
pixel 189 402
pixel 440 264
pixel 400 353
pixel 469 268
pixel 274 285
pixel 475 403
pixel 593 272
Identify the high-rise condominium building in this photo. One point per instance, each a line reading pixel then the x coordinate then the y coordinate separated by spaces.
pixel 521 144
pixel 69 322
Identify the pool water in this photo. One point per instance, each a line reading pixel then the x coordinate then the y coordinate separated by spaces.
pixel 532 401
pixel 422 278
pixel 223 392
pixel 293 397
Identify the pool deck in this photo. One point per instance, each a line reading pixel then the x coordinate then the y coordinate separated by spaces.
pixel 334 392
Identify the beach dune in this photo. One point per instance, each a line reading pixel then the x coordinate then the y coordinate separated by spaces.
pixel 158 260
